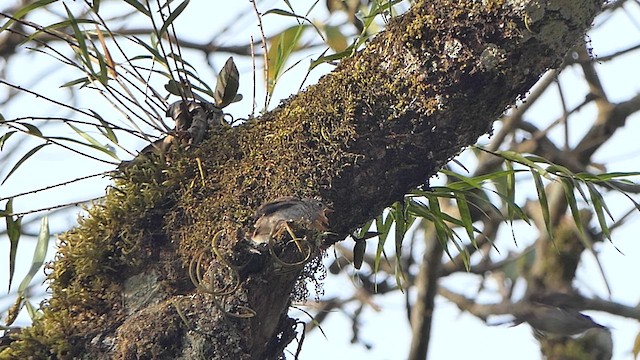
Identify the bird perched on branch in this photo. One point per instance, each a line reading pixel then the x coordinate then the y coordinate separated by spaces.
pixel 274 217
pixel 555 314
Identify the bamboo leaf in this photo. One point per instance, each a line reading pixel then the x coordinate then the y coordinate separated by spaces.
pixel 544 203
pixel 172 16
pixel 511 188
pixel 279 51
pixel 5 137
pixel 105 129
pixel 465 217
pixel 32 130
pixel 157 56
pixel 24 11
pixel 33 312
pixel 383 224
pixel 573 204
pixel 83 81
pixel 399 216
pixel 284 13
pixel 39 254
pixel 139 6
pixel 93 143
pixel 82 45
pixel 599 207
pixel 22 160
pixel 13 233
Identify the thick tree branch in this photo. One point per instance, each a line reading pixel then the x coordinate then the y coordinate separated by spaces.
pixel 383 122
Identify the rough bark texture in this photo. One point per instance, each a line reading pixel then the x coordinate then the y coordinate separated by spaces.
pixel 383 122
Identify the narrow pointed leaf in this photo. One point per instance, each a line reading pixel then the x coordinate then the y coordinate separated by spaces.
pixel 544 203
pixel 23 159
pixel 599 207
pixel 383 224
pixel 93 143
pixel 13 233
pixel 105 129
pixel 25 10
pixel 139 6
pixel 573 204
pixel 39 254
pixel 174 14
pixel 279 51
pixel 5 137
pixel 465 217
pixel 511 188
pixel 83 81
pixel 82 45
pixel 398 212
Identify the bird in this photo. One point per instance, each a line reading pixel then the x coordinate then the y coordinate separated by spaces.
pixel 555 314
pixel 274 217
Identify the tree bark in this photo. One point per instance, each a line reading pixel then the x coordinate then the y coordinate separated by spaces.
pixel 383 122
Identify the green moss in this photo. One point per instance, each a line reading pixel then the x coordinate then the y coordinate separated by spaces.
pixel 93 260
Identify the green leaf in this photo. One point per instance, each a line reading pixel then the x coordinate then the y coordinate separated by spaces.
pixel 283 13
pixel 544 203
pixel 465 216
pixel 335 38
pixel 279 51
pixel 331 58
pixel 32 130
pixel 105 129
pixel 400 220
pixel 39 255
pixel 80 38
pixel 605 177
pixel 359 249
pixel 172 16
pixel 103 75
pixel 93 143
pixel 511 189
pixel 13 232
pixel 154 52
pixel 139 6
pixel 5 137
pixel 24 11
pixel 573 204
pixel 599 206
pixel 62 25
pixel 83 81
pixel 383 224
pixel 227 85
pixel 444 232
pixel 22 160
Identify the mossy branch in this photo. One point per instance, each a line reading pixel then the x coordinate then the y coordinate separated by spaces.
pixel 383 122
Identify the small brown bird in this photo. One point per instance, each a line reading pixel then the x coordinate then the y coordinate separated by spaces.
pixel 274 217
